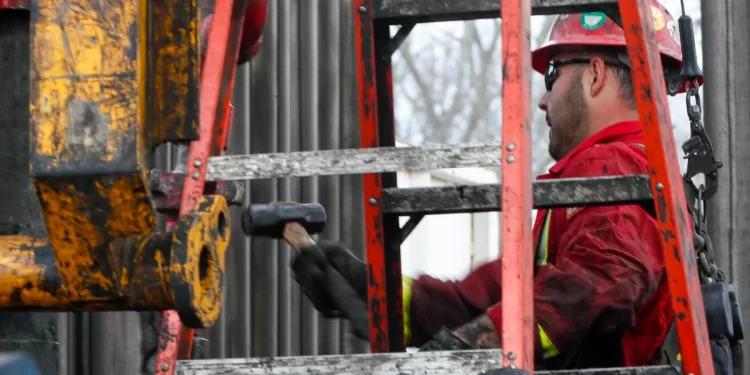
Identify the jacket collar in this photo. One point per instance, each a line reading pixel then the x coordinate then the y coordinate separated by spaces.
pixel 628 131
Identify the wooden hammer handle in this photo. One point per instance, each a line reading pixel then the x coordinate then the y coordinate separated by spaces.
pixel 297 237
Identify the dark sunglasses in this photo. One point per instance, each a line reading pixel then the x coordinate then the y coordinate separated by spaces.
pixel 551 75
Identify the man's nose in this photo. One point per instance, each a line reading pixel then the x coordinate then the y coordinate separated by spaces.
pixel 543 101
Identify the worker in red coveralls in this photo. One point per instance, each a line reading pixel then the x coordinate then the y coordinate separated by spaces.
pixel 601 297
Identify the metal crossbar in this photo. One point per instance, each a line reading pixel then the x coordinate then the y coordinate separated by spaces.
pixel 574 192
pixel 422 11
pixel 433 363
pixel 351 161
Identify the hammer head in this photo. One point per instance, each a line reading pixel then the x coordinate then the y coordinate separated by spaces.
pixel 269 219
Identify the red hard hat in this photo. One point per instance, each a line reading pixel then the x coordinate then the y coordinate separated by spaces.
pixel 597 30
pixel 256 14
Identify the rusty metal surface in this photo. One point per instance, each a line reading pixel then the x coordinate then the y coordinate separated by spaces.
pixel 398 11
pixel 174 59
pixel 38 334
pixel 198 261
pixel 31 280
pixel 546 194
pixel 352 161
pixel 87 134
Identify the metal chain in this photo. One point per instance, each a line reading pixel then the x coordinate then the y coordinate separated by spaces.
pixel 708 271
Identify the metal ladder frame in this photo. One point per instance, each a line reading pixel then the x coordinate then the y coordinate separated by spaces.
pixel 374 47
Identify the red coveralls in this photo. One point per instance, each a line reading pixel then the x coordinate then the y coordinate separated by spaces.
pixel 603 269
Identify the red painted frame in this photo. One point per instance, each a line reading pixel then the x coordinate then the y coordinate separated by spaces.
pixel 517 239
pixel 674 220
pixel 217 82
pixel 375 114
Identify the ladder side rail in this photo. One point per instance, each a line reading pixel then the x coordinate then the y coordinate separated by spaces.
pixel 516 244
pixel 384 288
pixel 217 82
pixel 667 187
pixel 390 226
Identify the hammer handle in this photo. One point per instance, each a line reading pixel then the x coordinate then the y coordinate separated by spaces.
pixel 338 288
pixel 297 237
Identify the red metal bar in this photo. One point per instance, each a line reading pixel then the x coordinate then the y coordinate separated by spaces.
pixel 667 186
pixel 217 80
pixel 14 4
pixel 370 137
pixel 517 239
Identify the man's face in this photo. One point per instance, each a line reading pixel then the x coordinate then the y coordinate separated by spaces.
pixel 566 108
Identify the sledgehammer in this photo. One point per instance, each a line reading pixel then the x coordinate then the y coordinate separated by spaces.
pixel 294 222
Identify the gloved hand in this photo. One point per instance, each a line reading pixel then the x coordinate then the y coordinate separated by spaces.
pixel 445 340
pixel 307 268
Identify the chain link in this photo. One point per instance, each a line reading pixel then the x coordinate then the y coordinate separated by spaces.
pixel 707 270
pixel 703 245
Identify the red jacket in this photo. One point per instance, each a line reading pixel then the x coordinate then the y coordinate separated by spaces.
pixel 604 270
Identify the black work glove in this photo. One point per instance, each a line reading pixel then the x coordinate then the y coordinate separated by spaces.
pixel 445 340
pixel 308 268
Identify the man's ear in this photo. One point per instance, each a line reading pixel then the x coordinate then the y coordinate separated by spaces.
pixel 598 70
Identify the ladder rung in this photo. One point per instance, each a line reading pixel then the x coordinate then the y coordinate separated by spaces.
pixel 435 363
pixel 352 161
pixel 547 194
pixel 402 11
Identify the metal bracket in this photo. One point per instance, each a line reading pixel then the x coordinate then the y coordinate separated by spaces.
pixel 399 38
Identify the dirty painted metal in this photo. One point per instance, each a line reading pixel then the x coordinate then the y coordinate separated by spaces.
pixel 88 136
pixel 91 136
pixel 31 280
pixel 38 334
pixel 352 161
pixel 517 255
pixel 217 82
pixel 401 11
pixel 435 362
pixel 474 362
pixel 667 186
pixel 573 192
pixel 372 183
pixel 174 57
pixel 166 188
pixel 377 130
pixel 197 261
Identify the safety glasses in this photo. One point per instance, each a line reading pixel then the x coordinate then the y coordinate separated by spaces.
pixel 552 73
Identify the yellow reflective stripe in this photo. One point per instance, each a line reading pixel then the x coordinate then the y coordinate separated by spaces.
pixel 547 346
pixel 543 243
pixel 406 283
pixel 542 251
